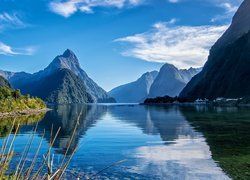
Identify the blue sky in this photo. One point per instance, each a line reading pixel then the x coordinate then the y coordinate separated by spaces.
pixel 115 40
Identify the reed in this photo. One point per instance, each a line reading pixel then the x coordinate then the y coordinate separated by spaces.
pixel 25 169
pixel 28 172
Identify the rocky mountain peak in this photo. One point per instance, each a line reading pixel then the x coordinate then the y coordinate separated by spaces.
pixel 67 60
pixel 69 54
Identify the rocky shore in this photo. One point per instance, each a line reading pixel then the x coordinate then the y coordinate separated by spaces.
pixel 24 112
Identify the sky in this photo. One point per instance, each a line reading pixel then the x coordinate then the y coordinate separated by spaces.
pixel 116 41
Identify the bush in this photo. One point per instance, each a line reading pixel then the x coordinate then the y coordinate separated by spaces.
pixel 13 100
pixel 16 94
pixel 5 93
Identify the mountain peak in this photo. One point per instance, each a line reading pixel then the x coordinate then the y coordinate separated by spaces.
pixel 67 60
pixel 170 66
pixel 68 53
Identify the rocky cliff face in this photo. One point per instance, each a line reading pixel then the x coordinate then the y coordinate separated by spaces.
pixel 226 73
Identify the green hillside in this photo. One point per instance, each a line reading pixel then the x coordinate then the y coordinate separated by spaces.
pixel 13 101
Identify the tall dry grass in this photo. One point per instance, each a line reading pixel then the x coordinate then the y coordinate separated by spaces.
pixel 25 169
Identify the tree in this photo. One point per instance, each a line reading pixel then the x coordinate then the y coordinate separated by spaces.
pixel 16 94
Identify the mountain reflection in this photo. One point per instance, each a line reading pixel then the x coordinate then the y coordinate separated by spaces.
pixel 167 121
pixel 65 117
pixel 157 141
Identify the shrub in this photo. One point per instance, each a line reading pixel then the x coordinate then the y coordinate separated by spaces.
pixel 13 100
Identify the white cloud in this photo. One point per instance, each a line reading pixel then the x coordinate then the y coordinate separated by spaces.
pixel 172 21
pixel 230 10
pixel 65 9
pixel 229 6
pixel 8 50
pixel 8 20
pixel 173 1
pixel 69 7
pixel 214 2
pixel 182 46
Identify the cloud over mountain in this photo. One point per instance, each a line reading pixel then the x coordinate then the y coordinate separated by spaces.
pixel 183 46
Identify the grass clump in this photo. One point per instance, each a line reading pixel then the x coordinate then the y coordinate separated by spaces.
pixel 25 168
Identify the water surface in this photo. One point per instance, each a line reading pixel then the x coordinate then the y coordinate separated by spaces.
pixel 153 142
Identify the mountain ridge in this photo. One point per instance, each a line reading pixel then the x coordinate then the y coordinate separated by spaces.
pixel 171 80
pixel 61 87
pixel 67 60
pixel 226 72
pixel 135 91
pixel 240 25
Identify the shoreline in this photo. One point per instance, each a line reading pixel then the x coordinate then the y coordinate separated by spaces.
pixel 23 112
pixel 195 104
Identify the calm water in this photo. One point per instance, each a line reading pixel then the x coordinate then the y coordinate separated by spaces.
pixel 154 142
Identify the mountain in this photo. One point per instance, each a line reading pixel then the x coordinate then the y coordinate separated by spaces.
pixel 62 86
pixel 240 25
pixel 4 82
pixel 135 91
pixel 227 70
pixel 69 61
pixel 170 81
pixel 74 81
pixel 16 77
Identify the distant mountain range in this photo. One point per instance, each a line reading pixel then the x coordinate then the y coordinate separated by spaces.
pixel 135 91
pixel 63 81
pixel 169 81
pixel 227 71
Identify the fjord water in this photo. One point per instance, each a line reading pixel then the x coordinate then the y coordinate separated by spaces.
pixel 155 142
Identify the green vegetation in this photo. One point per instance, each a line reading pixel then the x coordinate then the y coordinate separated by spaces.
pixel 227 133
pixel 12 100
pixel 167 100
